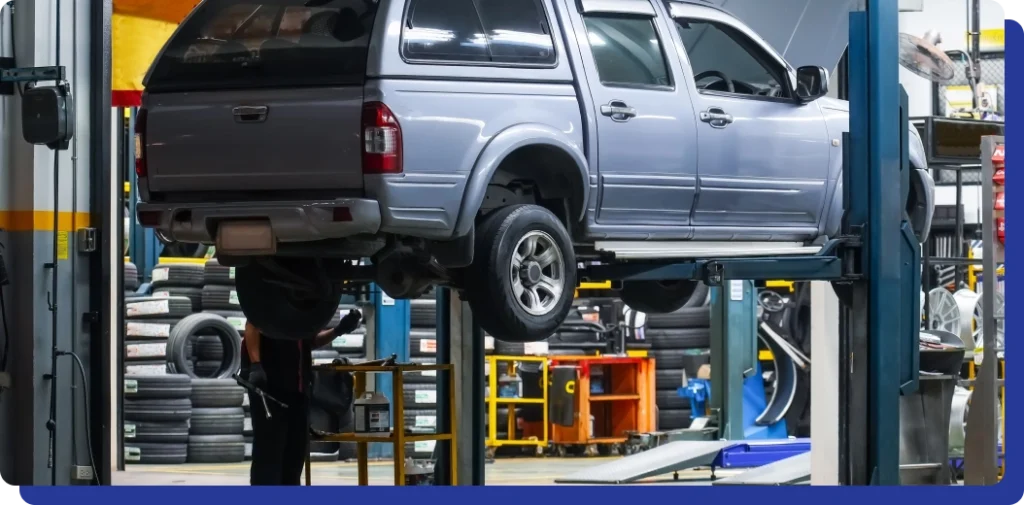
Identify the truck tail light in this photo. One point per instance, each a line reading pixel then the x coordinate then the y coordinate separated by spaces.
pixel 382 140
pixel 140 143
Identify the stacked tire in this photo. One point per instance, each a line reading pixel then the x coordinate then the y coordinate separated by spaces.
pixel 131 279
pixel 216 431
pixel 680 342
pixel 157 413
pixel 420 394
pixel 149 321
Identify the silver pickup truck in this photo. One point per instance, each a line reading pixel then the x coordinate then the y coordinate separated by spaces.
pixel 488 145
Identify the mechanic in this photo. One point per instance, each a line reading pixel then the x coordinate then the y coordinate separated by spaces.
pixel 282 369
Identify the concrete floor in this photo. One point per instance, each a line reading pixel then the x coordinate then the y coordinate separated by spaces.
pixel 503 472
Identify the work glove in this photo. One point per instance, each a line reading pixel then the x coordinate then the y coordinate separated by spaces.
pixel 348 323
pixel 257 377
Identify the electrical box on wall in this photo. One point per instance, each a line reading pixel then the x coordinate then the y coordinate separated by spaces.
pixel 46 117
pixel 911 5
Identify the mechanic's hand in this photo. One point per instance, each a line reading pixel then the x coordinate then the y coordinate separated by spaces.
pixel 348 323
pixel 257 377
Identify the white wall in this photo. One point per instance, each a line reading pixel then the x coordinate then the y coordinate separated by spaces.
pixel 949 18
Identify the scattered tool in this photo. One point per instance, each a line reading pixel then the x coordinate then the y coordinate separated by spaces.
pixel 389 361
pixel 259 392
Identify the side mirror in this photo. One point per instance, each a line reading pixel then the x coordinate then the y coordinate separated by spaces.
pixel 811 83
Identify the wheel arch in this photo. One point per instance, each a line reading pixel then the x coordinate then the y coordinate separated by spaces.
pixel 551 147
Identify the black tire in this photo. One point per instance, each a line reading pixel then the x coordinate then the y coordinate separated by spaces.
pixel 670 400
pixel 216 449
pixel 659 297
pixel 422 343
pixel 159 329
pixel 420 421
pixel 669 380
pixel 489 283
pixel 147 368
pixel 424 377
pixel 420 396
pixel 154 307
pixel 145 350
pixel 155 454
pixel 672 419
pixel 131 276
pixel 206 369
pixel 204 324
pixel 208 348
pixel 689 359
pixel 157 411
pixel 216 393
pixel 235 317
pixel 686 317
pixel 423 313
pixel 247 424
pixel 215 273
pixel 216 297
pixel 219 421
pixel 351 343
pixel 155 433
pixel 195 295
pixel 689 338
pixel 157 387
pixel 175 274
pixel 503 348
pixel 420 450
pixel 276 311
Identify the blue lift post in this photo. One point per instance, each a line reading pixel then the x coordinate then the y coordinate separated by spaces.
pixel 872 264
pixel 391 320
pixel 733 354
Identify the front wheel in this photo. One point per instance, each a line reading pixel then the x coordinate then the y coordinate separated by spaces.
pixel 287 299
pixel 522 281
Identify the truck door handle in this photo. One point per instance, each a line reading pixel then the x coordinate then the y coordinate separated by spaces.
pixel 250 113
pixel 618 111
pixel 716 117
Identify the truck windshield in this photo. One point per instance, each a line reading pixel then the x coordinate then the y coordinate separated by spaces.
pixel 256 43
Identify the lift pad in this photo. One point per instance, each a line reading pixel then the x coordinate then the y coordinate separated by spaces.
pixel 668 458
pixel 790 471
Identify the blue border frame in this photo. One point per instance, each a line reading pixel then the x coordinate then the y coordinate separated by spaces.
pixel 1009 490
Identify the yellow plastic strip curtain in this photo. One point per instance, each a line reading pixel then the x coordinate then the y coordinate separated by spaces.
pixel 140 28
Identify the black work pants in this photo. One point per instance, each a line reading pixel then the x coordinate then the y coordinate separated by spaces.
pixel 280 442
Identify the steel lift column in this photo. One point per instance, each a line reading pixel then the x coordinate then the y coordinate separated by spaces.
pixel 880 319
pixel 460 341
pixel 733 353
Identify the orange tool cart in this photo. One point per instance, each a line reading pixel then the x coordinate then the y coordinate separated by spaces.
pixel 598 400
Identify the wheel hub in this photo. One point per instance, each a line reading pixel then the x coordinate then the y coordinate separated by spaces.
pixel 530 273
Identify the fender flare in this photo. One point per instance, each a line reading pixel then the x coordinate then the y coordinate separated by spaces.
pixel 499 147
pixel 920 218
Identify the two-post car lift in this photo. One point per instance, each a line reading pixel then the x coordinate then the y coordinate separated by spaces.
pixel 874 266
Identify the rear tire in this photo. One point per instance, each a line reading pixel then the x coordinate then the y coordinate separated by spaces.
pixel 284 313
pixel 661 297
pixel 521 284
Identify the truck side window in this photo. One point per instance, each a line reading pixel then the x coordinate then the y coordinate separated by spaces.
pixel 506 32
pixel 627 51
pixel 722 57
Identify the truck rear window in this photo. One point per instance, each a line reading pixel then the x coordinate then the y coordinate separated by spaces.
pixel 255 43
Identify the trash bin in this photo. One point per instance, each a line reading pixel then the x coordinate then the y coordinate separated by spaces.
pixel 924 415
pixel 562 395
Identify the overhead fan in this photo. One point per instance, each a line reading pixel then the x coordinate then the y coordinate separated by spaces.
pixel 922 57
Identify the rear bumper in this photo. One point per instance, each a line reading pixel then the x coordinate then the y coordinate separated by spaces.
pixel 291 221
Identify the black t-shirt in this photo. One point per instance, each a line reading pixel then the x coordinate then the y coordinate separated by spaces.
pixel 287 363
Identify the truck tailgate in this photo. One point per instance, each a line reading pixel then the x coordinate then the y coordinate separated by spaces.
pixel 259 139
